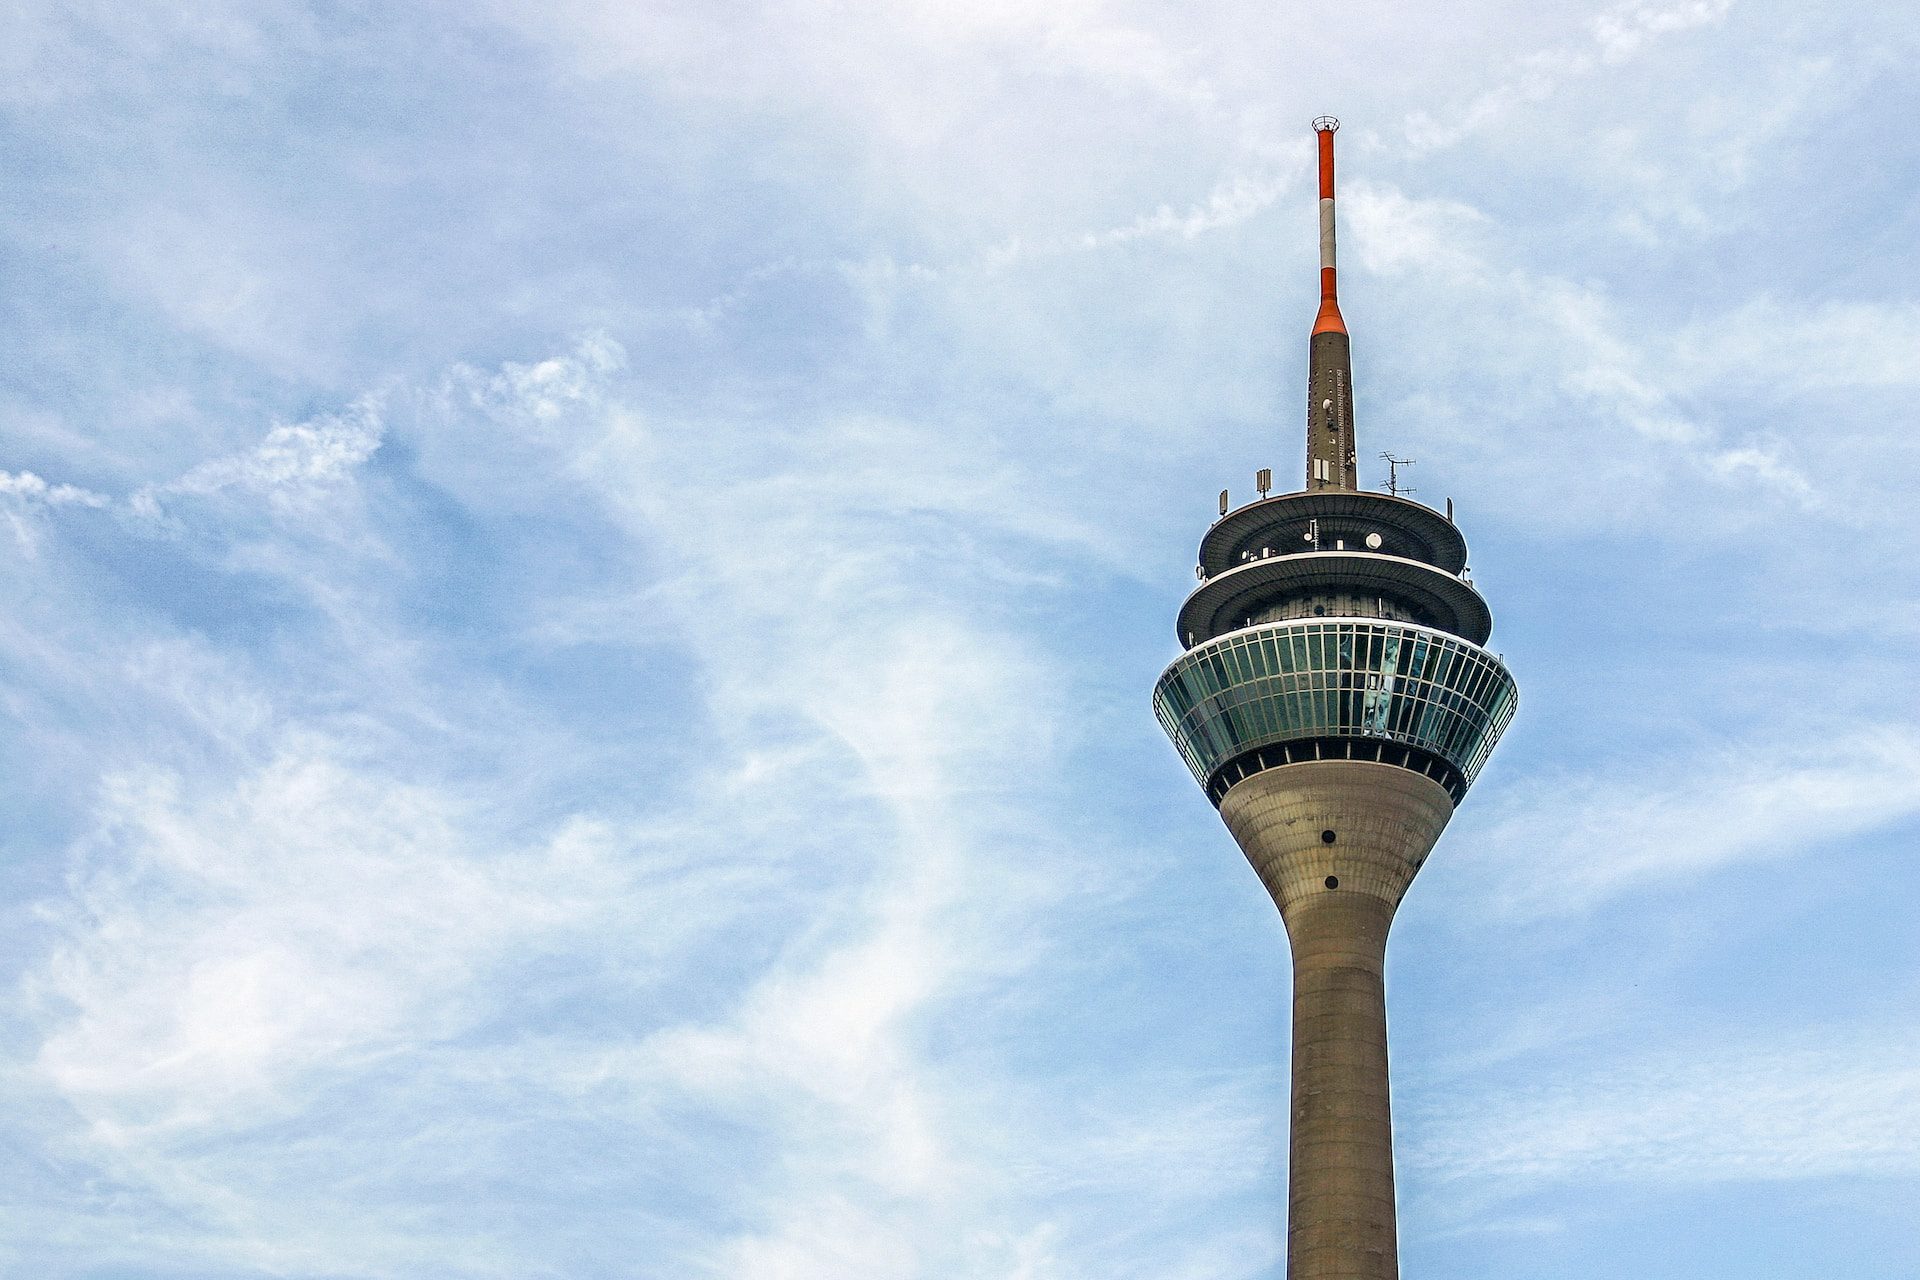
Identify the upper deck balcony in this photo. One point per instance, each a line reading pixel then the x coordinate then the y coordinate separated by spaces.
pixel 1333 520
pixel 1333 552
pixel 1236 597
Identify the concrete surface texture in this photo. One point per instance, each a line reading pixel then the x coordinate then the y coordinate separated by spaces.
pixel 1337 843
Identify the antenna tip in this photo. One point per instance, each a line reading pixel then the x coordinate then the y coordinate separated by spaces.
pixel 1325 124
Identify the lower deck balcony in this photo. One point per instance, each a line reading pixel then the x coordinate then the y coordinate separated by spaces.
pixel 1397 693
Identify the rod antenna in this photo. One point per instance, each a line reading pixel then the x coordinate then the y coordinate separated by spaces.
pixel 1393 485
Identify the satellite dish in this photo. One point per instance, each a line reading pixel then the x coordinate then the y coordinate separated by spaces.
pixel 1373 542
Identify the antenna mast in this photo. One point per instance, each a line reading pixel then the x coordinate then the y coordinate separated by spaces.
pixel 1394 464
pixel 1330 438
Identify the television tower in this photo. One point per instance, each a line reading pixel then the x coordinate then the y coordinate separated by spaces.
pixel 1335 702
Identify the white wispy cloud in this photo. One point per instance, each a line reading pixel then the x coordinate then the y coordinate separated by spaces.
pixel 293 467
pixel 28 487
pixel 1837 1106
pixel 1860 345
pixel 23 495
pixel 236 948
pixel 46 61
pixel 221 949
pixel 1622 32
pixel 1614 37
pixel 1556 341
pixel 871 50
pixel 1228 204
pixel 822 1048
pixel 1562 846
pixel 317 908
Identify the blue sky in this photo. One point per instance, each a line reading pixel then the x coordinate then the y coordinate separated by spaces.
pixel 583 582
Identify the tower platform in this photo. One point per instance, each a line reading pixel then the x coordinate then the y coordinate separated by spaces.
pixel 1335 701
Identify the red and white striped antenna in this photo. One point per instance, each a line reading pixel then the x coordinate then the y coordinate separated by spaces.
pixel 1328 321
pixel 1331 448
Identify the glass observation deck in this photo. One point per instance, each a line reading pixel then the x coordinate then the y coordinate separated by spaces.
pixel 1285 692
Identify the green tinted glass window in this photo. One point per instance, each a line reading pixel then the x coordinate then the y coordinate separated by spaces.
pixel 1299 680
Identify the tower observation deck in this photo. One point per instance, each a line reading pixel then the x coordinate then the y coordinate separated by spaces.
pixel 1335 702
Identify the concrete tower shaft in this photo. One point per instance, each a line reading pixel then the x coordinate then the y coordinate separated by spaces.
pixel 1335 701
pixel 1337 843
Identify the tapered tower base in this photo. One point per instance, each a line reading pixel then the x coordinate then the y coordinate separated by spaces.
pixel 1337 842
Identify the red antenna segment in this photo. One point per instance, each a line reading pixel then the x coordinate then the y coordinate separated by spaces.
pixel 1328 321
